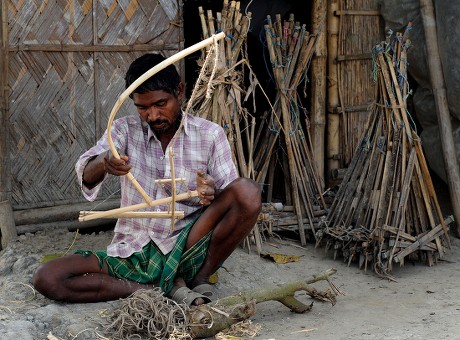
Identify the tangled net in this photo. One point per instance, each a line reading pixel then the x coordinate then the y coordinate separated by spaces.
pixel 148 314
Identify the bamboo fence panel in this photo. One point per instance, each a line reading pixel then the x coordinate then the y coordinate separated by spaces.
pixel 66 66
pixel 386 208
pixel 359 26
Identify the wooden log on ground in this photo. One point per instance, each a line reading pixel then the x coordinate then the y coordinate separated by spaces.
pixel 280 292
pixel 56 213
pixel 207 320
pixel 70 225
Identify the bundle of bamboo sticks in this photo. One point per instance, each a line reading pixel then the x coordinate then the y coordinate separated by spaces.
pixel 220 92
pixel 386 208
pixel 290 48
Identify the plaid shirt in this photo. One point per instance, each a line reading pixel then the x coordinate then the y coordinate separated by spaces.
pixel 201 144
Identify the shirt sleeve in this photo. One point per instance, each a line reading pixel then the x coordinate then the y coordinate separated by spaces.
pixel 118 137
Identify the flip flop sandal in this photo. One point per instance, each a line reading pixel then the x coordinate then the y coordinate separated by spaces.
pixel 205 289
pixel 187 296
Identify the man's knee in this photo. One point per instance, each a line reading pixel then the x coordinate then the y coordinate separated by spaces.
pixel 248 194
pixel 45 281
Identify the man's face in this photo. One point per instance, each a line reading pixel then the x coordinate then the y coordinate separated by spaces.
pixel 159 109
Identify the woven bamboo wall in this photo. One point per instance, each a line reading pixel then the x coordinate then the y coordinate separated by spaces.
pixel 66 66
pixel 360 28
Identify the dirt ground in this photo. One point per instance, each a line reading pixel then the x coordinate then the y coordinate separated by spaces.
pixel 423 303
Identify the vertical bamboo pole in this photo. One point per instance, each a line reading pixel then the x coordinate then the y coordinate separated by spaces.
pixel 7 226
pixel 4 152
pixel 442 108
pixel 99 125
pixel 204 27
pixel 333 119
pixel 318 85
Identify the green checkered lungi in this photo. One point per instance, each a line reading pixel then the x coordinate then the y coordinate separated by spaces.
pixel 150 265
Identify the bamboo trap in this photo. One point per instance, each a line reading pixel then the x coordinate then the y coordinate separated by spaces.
pixel 221 99
pixel 290 49
pixel 129 211
pixel 220 94
pixel 386 209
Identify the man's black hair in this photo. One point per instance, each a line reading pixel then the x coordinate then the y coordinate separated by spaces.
pixel 167 79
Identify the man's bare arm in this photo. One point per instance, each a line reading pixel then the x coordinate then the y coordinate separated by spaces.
pixel 98 166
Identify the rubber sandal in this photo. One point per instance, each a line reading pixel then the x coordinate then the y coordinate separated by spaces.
pixel 187 296
pixel 205 289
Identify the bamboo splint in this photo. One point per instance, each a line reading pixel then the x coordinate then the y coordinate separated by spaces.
pixel 386 208
pixel 127 211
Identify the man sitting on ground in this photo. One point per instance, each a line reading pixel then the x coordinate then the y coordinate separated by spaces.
pixel 145 252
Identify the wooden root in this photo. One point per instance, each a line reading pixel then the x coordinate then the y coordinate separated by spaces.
pixel 207 320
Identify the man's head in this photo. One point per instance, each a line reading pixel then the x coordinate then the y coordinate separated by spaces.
pixel 158 99
pixel 167 79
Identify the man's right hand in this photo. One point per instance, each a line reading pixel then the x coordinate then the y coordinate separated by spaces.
pixel 104 163
pixel 115 166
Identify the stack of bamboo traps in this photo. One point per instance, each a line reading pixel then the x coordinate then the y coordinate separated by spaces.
pixel 386 210
pixel 283 135
pixel 220 93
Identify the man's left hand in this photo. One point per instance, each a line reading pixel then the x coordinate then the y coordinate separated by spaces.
pixel 205 187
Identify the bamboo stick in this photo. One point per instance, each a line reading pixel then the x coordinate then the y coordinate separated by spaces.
pixel 104 214
pixel 7 226
pixel 204 27
pixel 137 214
pixel 224 12
pixel 211 26
pixel 5 165
pixel 172 206
pixel 333 148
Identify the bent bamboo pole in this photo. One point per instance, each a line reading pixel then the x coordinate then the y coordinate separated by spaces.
pixel 442 108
